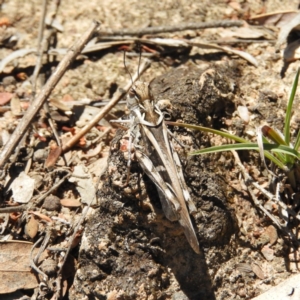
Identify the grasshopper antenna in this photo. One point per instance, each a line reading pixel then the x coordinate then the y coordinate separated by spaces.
pixel 140 57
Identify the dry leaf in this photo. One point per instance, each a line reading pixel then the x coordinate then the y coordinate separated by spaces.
pixel 55 152
pixel 285 30
pixel 41 216
pixel 5 98
pixel 243 267
pixel 22 188
pixel 15 271
pixel 258 271
pixel 32 227
pixel 70 203
pixel 279 18
pixel 84 184
pixel 250 33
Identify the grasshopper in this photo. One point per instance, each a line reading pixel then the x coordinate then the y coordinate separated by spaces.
pixel 158 158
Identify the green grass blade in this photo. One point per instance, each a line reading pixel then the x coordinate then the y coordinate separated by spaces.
pixel 205 129
pixel 253 146
pixel 280 156
pixel 297 143
pixel 249 146
pixel 289 109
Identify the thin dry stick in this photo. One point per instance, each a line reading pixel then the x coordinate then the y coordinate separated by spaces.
pixel 172 28
pixel 45 243
pixel 248 179
pixel 32 263
pixel 12 209
pixel 40 46
pixel 43 46
pixel 270 196
pixel 53 188
pixel 43 43
pixel 45 92
pixel 105 109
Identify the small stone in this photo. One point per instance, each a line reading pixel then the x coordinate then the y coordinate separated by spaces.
pixel 8 80
pixel 268 253
pixel 52 203
pixel 243 113
pixel 32 227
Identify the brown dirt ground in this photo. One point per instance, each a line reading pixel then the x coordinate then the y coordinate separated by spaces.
pixel 128 249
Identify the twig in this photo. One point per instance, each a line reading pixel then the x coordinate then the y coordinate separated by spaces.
pixel 40 47
pixel 32 263
pixel 105 109
pixel 249 180
pixel 45 92
pixel 53 188
pixel 59 51
pixel 172 28
pixel 12 209
pixel 54 130
pixel 43 42
pixel 44 245
pixel 270 196
pixel 43 47
pixel 228 50
pixel 123 41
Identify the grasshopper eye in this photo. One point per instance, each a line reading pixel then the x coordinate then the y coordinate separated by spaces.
pixel 131 93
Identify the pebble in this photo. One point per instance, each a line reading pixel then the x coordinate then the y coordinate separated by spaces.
pixel 52 203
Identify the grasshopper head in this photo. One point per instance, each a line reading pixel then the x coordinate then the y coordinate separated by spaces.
pixel 141 91
pixel 137 94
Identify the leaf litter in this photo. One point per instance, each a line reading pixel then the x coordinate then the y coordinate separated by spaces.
pixel 53 224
